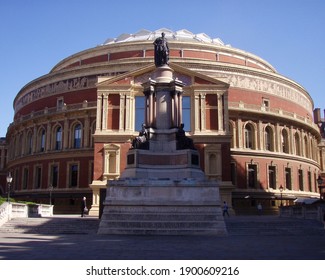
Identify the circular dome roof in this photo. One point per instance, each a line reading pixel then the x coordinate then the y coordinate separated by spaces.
pixel 180 35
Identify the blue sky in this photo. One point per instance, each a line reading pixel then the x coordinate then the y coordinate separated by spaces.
pixel 37 34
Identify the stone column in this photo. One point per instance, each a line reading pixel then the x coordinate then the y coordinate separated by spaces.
pixel 150 114
pixel 260 136
pixel 180 108
pixel 226 112
pixel 122 110
pixel 278 138
pixel 203 112
pixel 196 112
pixel 48 137
pixel 34 139
pixel 104 116
pixel 99 112
pixel 65 134
pixel 240 133
pixel 86 131
pixel 220 113
pixel 128 112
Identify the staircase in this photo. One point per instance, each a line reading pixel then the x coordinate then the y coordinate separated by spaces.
pixel 56 225
pixel 236 225
pixel 168 220
pixel 272 226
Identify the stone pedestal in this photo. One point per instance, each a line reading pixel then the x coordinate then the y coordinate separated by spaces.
pixel 162 207
pixel 163 190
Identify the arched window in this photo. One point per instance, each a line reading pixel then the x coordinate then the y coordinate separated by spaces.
pixel 297 144
pixel 29 143
pixel 269 145
pixel 77 136
pixel 285 141
pixel 249 137
pixel 58 138
pixel 306 147
pixel 41 140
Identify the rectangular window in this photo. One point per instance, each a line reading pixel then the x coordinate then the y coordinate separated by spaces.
pixel 309 181
pixel 288 178
pixel 38 177
pixel 139 112
pixel 186 112
pixel 54 176
pixel 233 171
pixel 300 180
pixel 25 178
pixel 59 103
pixel 73 175
pixel 272 177
pixel 266 104
pixel 252 176
pixel 315 183
pixel 91 172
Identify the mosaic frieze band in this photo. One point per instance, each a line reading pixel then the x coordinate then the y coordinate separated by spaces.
pixel 267 86
pixel 56 88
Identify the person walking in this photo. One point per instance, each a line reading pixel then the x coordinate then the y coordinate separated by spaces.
pixel 259 209
pixel 225 209
pixel 83 207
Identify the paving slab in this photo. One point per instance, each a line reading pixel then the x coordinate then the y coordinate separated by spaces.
pixel 306 243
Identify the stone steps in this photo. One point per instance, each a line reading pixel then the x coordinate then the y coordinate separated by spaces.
pixel 168 220
pixel 185 217
pixel 51 225
pixel 272 226
pixel 236 225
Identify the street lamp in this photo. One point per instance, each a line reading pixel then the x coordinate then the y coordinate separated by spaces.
pixel 320 182
pixel 51 189
pixel 281 190
pixel 9 180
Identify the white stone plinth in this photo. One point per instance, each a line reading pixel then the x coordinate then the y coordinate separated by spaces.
pixel 162 207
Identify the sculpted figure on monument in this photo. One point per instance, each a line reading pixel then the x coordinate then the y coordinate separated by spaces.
pixel 141 141
pixel 161 50
pixel 183 142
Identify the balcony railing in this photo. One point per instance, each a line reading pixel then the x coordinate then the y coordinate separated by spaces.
pixel 272 111
pixel 54 110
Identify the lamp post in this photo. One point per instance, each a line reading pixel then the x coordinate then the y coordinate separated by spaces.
pixel 320 182
pixel 281 190
pixel 9 180
pixel 51 189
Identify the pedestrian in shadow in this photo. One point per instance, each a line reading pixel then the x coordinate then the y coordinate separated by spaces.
pixel 83 207
pixel 225 209
pixel 259 209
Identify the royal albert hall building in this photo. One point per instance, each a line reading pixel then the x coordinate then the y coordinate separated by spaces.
pixel 253 127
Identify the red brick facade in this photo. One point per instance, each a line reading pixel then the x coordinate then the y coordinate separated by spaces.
pixel 269 128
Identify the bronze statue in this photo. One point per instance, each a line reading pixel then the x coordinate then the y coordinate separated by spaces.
pixel 183 142
pixel 161 51
pixel 141 141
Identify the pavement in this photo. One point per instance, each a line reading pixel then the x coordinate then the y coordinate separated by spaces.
pixel 249 238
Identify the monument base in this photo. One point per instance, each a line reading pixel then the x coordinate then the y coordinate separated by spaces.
pixel 162 207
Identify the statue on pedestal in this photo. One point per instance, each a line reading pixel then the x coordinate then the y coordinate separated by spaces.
pixel 141 141
pixel 161 51
pixel 183 142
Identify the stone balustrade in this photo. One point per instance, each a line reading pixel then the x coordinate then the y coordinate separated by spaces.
pixel 10 211
pixel 313 212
